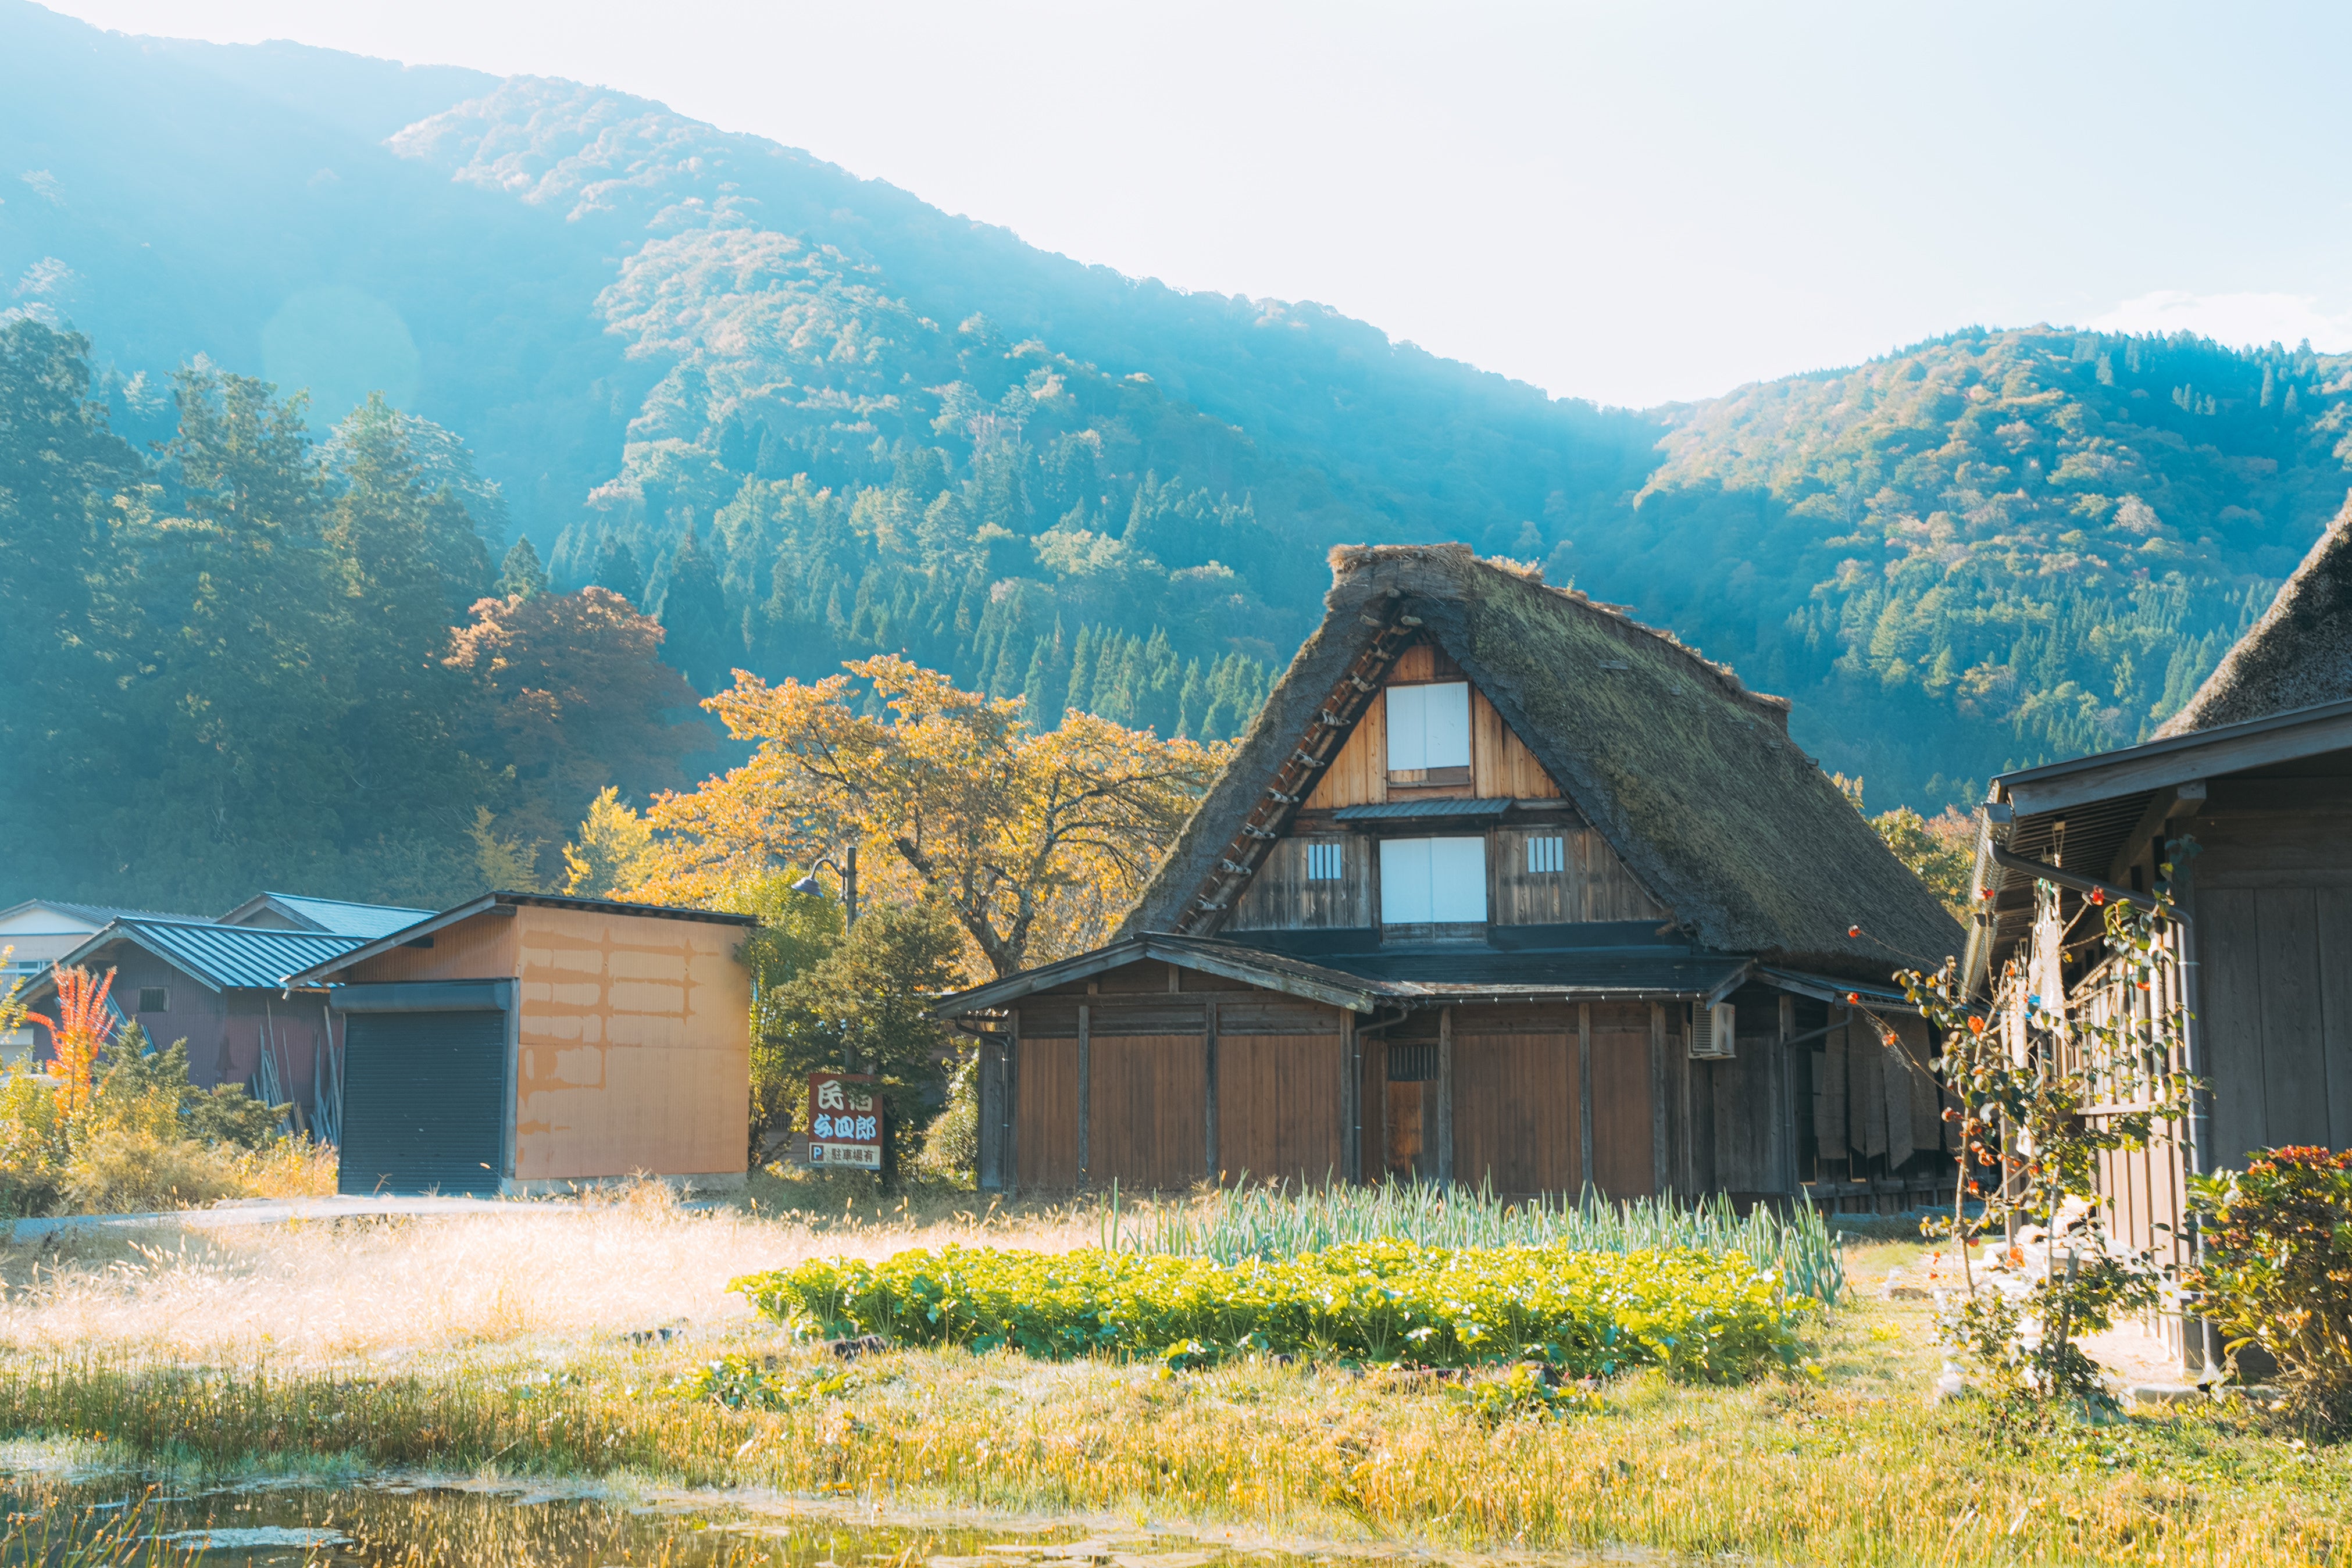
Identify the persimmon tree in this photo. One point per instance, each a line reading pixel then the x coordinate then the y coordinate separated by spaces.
pixel 1033 841
pixel 2046 1085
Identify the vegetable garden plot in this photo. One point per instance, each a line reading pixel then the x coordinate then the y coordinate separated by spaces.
pixel 1702 1317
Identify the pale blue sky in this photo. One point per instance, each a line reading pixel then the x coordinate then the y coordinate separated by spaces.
pixel 1627 203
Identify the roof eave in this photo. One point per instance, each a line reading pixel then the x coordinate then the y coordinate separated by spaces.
pixel 2288 736
pixel 109 935
pixel 316 975
pixel 1359 998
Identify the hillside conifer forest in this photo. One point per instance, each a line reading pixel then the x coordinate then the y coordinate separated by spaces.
pixel 391 458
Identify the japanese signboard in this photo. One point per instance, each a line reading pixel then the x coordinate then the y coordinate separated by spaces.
pixel 844 1121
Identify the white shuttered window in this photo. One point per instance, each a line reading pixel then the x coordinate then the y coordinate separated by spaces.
pixel 1432 881
pixel 1429 727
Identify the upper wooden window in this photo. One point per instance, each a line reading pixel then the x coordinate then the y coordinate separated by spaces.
pixel 1429 728
pixel 1325 862
pixel 1433 882
pixel 1547 855
pixel 154 999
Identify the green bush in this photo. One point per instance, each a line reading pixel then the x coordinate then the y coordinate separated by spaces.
pixel 2275 1269
pixel 1703 1317
pixel 148 1139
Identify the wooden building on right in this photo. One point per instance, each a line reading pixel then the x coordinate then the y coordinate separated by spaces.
pixel 2247 794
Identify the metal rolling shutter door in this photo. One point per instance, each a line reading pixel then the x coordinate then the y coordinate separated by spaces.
pixel 424 1094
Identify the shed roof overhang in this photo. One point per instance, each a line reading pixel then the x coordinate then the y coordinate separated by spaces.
pixel 2097 813
pixel 505 904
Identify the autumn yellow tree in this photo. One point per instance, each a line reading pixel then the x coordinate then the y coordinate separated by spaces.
pixel 1939 851
pixel 1033 841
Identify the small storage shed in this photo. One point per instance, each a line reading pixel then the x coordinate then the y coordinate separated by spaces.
pixel 525 1042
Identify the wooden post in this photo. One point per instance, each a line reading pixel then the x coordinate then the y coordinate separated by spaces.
pixel 1086 1097
pixel 1784 1104
pixel 1445 1095
pixel 1584 1089
pixel 1209 1081
pixel 1351 1101
pixel 1658 1150
pixel 1008 1150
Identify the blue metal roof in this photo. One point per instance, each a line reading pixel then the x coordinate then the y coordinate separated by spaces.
pixel 338 918
pixel 227 958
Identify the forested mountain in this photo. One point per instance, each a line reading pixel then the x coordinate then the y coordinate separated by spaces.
pixel 801 416
pixel 1993 549
pixel 628 315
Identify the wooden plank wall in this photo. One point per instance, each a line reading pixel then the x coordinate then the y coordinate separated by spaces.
pixel 1358 776
pixel 1277 1099
pixel 1279 896
pixel 1045 1113
pixel 1514 1112
pixel 1147 1095
pixel 1622 1113
pixel 1147 1030
pixel 1735 1146
pixel 2272 898
pixel 1500 764
pixel 1593 883
pixel 2276 1010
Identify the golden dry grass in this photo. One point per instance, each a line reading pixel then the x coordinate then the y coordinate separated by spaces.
pixel 497 1341
pixel 313 1294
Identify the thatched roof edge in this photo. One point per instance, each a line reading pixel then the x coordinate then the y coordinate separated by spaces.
pixel 1689 775
pixel 2299 654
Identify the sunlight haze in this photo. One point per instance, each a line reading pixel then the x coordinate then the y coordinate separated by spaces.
pixel 1634 206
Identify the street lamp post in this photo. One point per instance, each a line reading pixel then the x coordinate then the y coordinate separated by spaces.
pixel 846 870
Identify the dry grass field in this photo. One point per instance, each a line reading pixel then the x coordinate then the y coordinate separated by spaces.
pixel 518 1343
pixel 317 1294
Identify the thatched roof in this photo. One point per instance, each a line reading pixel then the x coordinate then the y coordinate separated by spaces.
pixel 1691 776
pixel 2299 654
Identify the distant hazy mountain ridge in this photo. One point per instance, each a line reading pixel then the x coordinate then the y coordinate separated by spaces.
pixel 806 416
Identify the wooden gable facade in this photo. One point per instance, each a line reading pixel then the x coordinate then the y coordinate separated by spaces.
pixel 1416 931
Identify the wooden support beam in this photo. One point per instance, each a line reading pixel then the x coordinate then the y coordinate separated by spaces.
pixel 1086 1099
pixel 1659 1169
pixel 1295 779
pixel 1011 1147
pixel 1784 1101
pixel 1584 1089
pixel 1351 1100
pixel 1445 1095
pixel 2182 800
pixel 1209 1056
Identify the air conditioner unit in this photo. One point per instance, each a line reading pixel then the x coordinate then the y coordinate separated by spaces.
pixel 1710 1031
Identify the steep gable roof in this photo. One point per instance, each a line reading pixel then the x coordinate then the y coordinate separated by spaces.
pixel 1691 776
pixel 2299 654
